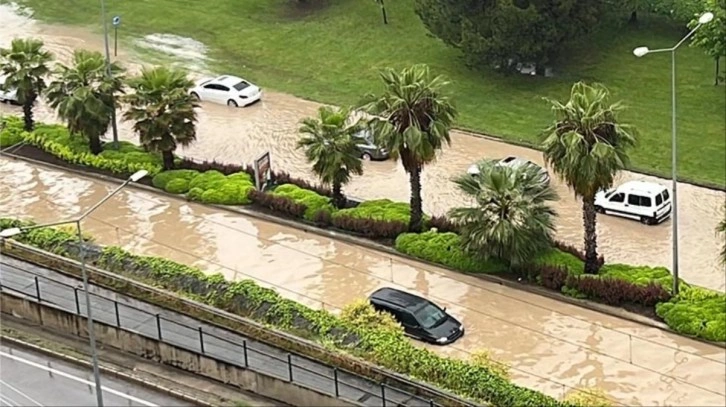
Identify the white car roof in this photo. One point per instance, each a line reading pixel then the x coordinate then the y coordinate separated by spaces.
pixel 643 187
pixel 228 80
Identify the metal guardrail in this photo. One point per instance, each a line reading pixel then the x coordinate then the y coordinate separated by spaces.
pixel 249 354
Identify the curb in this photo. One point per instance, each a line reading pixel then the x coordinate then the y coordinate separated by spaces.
pixel 590 305
pixel 105 369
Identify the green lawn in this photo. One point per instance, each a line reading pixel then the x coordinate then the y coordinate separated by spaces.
pixel 333 54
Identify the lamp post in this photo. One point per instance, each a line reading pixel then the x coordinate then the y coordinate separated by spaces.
pixel 108 72
pixel 640 52
pixel 10 232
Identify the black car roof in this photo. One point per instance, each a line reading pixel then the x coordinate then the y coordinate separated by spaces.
pixel 397 297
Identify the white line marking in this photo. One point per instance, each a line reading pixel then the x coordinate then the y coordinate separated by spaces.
pixel 19 392
pixel 77 379
pixel 8 401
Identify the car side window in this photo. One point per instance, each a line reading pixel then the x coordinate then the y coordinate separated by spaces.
pixel 211 86
pixel 646 201
pixel 634 200
pixel 223 88
pixel 407 319
pixel 618 198
pixel 658 200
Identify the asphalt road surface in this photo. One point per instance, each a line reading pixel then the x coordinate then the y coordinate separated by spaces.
pixel 29 379
pixel 184 332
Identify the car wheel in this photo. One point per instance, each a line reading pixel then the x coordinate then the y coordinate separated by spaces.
pixel 195 96
pixel 231 103
pixel 647 220
pixel 366 157
pixel 599 209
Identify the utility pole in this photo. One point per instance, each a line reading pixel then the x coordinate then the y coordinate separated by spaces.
pixel 108 72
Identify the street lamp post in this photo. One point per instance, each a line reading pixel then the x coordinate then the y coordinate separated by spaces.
pixel 640 52
pixel 7 233
pixel 108 72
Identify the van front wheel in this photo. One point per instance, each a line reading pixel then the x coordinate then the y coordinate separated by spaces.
pixel 599 209
pixel 647 220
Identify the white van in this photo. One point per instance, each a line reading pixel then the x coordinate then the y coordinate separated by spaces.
pixel 648 202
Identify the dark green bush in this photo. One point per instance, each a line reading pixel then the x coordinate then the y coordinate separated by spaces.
pixel 558 258
pixel 213 187
pixel 177 186
pixel 11 131
pixel 161 179
pixel 379 344
pixel 641 275
pixel 445 249
pixel 696 311
pixel 380 209
pixel 313 202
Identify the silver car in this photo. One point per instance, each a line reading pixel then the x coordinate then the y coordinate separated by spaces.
pixel 367 147
pixel 513 162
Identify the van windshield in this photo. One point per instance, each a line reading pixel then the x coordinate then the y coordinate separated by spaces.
pixel 429 315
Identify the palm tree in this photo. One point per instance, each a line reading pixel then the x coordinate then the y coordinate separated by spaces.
pixel 25 65
pixel 329 145
pixel 83 95
pixel 162 111
pixel 512 219
pixel 586 147
pixel 412 120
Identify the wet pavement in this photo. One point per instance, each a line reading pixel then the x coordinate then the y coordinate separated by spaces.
pixel 31 379
pixel 241 135
pixel 552 346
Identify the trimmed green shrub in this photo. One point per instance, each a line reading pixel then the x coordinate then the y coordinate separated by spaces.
pixel 312 201
pixel 207 180
pixel 11 131
pixel 57 141
pixel 640 275
pixel 212 187
pixel 177 186
pixel 701 313
pixel 558 258
pixel 161 179
pixel 382 344
pixel 445 249
pixel 380 209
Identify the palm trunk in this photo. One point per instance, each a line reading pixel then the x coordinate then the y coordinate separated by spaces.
pixel 589 217
pixel 28 113
pixel 94 143
pixel 416 222
pixel 168 158
pixel 338 198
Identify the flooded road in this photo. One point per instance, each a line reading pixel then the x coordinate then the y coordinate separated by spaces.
pixel 552 346
pixel 240 135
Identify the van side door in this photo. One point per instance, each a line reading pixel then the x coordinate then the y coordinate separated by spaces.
pixel 634 206
pixel 616 204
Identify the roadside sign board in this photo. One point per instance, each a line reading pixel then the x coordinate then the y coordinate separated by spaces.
pixel 263 171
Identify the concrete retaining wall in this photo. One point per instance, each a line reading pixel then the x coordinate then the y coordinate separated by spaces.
pixel 133 343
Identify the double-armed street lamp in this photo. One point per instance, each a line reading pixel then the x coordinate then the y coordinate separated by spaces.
pixel 10 232
pixel 640 52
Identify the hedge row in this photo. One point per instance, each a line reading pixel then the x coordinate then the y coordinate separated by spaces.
pixel 384 345
pixel 58 141
pixel 695 311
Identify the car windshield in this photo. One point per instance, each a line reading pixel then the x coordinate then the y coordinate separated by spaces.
pixel 242 85
pixel 366 136
pixel 429 315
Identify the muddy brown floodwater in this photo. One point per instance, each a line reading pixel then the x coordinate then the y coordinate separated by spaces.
pixel 552 346
pixel 240 135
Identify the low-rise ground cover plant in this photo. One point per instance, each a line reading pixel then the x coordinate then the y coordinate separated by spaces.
pixel 382 343
pixel 552 269
pixel 73 149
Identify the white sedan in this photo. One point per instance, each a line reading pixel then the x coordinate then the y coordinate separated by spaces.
pixel 514 162
pixel 226 90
